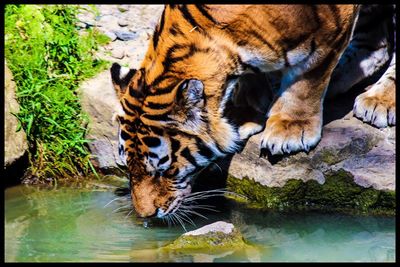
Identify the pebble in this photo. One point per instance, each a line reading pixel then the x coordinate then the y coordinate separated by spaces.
pixel 125 36
pixel 119 54
pixel 123 8
pixel 111 35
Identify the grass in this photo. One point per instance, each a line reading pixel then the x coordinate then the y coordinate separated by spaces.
pixel 49 58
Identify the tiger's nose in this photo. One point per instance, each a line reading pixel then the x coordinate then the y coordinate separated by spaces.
pixel 146 213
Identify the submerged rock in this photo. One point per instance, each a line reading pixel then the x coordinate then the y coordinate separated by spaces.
pixel 218 235
pixel 15 143
pixel 205 244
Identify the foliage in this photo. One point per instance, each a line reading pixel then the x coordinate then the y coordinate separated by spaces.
pixel 48 58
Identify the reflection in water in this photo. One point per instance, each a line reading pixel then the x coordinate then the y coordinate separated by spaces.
pixel 67 224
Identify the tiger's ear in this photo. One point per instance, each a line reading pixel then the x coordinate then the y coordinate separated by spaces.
pixel 187 112
pixel 190 94
pixel 121 76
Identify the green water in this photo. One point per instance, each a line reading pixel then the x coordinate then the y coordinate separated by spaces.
pixel 70 224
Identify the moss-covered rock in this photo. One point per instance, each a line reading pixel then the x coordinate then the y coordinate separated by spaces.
pixel 339 192
pixel 205 244
pixel 219 235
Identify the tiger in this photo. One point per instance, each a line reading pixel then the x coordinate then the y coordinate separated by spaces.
pixel 177 111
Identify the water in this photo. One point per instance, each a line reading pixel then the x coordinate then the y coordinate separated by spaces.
pixel 69 224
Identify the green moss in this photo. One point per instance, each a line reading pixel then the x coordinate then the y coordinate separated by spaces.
pixel 214 240
pixel 338 193
pixel 329 157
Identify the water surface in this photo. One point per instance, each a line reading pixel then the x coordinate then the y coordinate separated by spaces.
pixel 76 224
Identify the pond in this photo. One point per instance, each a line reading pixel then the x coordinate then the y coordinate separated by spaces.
pixel 76 224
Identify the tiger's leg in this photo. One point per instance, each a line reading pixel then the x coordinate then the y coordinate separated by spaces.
pixel 295 119
pixel 356 64
pixel 377 106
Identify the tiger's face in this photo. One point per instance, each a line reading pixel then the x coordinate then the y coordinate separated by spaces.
pixel 165 146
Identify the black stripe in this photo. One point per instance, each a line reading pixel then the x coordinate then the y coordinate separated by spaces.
pixel 122 120
pixel 156 130
pixel 163 160
pixel 203 149
pixel 174 30
pixel 125 135
pixel 161 78
pixel 262 39
pixel 175 145
pixel 206 14
pixel 135 93
pixel 132 107
pixel 157 106
pixel 153 155
pixel 193 50
pixel 159 30
pixel 156 117
pixel 188 17
pixel 127 111
pixel 168 55
pixel 186 154
pixel 151 141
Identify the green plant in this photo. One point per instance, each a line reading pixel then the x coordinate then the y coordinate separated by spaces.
pixel 49 58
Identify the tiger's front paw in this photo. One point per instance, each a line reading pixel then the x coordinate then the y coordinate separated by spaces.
pixel 376 107
pixel 283 134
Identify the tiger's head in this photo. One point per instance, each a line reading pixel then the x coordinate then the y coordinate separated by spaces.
pixel 174 118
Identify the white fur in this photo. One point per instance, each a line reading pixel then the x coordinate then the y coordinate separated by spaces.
pixel 258 60
pixel 122 156
pixel 123 72
pixel 161 151
pixel 248 129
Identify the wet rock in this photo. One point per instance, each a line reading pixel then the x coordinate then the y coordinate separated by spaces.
pixel 125 36
pixel 205 244
pixel 15 143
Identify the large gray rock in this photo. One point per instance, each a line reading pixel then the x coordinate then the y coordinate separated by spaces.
pixel 364 151
pixel 352 169
pixel 15 143
pixel 100 102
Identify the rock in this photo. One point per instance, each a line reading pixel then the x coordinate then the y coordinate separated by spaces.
pixel 15 142
pixel 100 102
pixel 123 8
pixel 119 54
pixel 205 244
pixel 125 36
pixel 351 161
pixel 111 35
pixel 108 21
